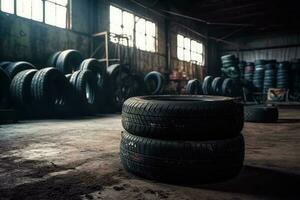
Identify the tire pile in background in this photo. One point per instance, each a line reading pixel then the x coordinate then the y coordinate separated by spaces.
pixel 230 67
pixel 182 138
pixel 214 86
pixel 258 76
pixel 72 85
pixel 282 75
pixel 295 74
pixel 269 76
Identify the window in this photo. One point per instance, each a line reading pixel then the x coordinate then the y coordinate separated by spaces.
pixel 141 32
pixel 7 6
pixel 189 50
pixel 56 11
pixel 31 9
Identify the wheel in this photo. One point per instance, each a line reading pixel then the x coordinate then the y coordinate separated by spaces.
pixel 179 117
pixel 217 86
pixel 97 68
pixel 69 61
pixel 260 113
pixel 53 59
pixel 20 91
pixel 14 68
pixel 206 86
pixel 194 87
pixel 49 90
pixel 84 85
pixel 177 161
pixel 154 82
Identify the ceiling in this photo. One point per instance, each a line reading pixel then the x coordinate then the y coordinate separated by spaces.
pixel 229 18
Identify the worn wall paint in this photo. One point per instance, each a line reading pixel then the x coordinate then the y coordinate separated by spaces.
pixel 24 39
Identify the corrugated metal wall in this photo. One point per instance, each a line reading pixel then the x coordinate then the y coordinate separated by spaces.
pixel 282 47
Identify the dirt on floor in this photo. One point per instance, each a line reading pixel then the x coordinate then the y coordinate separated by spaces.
pixel 79 159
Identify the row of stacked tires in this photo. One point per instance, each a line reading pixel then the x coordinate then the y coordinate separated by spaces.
pixel 230 67
pixel 263 75
pixel 71 85
pixel 182 138
pixel 214 86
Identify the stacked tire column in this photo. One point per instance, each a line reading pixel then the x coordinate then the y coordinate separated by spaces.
pixel 182 138
pixel 258 77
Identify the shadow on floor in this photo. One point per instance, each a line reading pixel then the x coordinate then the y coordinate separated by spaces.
pixel 263 182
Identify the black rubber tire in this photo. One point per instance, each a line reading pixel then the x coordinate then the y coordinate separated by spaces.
pixel 14 68
pixel 158 79
pixel 49 90
pixel 85 88
pixel 53 59
pixel 4 89
pixel 217 86
pixel 228 87
pixel 5 64
pixel 260 113
pixel 20 90
pixel 183 162
pixel 97 68
pixel 69 61
pixel 194 87
pixel 179 117
pixel 206 86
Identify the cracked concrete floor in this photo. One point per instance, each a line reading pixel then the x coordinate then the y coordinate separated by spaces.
pixel 79 159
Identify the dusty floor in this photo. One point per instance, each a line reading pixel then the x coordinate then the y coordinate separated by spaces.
pixel 78 159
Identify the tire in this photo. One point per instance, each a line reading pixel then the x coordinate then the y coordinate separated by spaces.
pixel 217 86
pixel 179 117
pixel 177 161
pixel 20 90
pixel 194 87
pixel 206 86
pixel 53 59
pixel 14 68
pixel 260 113
pixel 49 90
pixel 228 87
pixel 97 68
pixel 84 84
pixel 5 64
pixel 69 61
pixel 4 89
pixel 68 76
pixel 154 78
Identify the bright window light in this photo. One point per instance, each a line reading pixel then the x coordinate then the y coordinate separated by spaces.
pixel 56 13
pixel 31 9
pixel 189 50
pixel 8 6
pixel 123 23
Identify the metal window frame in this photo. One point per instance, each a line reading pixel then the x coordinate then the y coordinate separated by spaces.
pixel 134 28
pixel 68 13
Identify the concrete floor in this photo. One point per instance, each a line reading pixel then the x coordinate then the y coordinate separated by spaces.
pixel 79 159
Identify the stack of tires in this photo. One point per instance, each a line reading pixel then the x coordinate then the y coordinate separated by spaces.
pixel 295 71
pixel 258 77
pixel 283 75
pixel 230 67
pixel 249 72
pixel 182 138
pixel 270 76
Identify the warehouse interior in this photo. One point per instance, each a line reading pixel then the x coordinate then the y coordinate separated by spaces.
pixel 131 99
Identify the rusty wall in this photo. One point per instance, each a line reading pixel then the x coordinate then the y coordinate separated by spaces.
pixel 24 39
